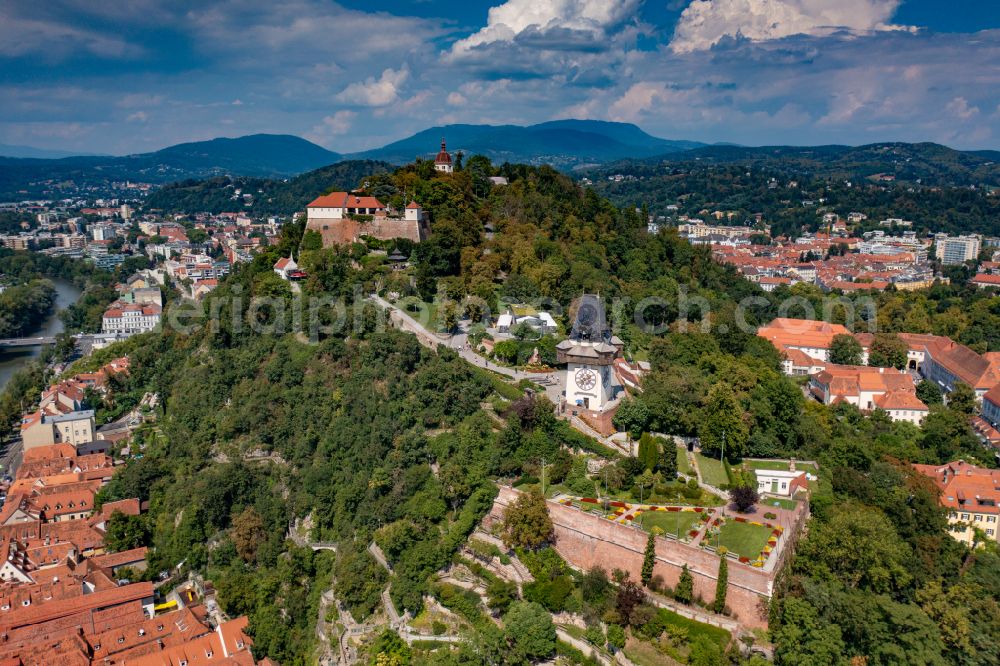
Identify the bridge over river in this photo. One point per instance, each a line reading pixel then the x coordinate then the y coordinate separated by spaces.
pixel 27 342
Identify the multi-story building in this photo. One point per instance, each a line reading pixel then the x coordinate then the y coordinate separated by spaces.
pixel 991 406
pixel 813 338
pixel 130 318
pixel 870 388
pixel 45 429
pixel 953 250
pixel 971 495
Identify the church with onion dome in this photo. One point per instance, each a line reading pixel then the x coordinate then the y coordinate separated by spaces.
pixel 443 161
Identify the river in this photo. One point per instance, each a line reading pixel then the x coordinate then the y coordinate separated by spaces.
pixel 10 360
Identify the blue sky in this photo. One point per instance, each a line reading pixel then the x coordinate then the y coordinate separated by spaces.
pixel 132 77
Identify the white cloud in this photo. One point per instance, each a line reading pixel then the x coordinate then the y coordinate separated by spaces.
pixel 337 124
pixel 516 17
pixel 53 40
pixel 960 108
pixel 133 100
pixel 706 22
pixel 137 117
pixel 376 92
pixel 456 99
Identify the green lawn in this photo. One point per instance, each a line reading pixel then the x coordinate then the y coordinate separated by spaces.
pixel 779 502
pixel 778 464
pixel 712 471
pixel 742 538
pixel 683 466
pixel 668 521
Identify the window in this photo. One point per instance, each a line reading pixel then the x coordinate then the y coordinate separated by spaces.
pixel 989 532
pixel 991 519
pixel 965 516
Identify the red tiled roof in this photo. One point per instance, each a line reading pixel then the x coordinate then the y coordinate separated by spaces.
pixel 965 487
pixel 34 614
pixel 345 200
pixel 900 399
pixel 987 279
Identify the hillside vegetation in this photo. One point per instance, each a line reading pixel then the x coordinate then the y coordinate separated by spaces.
pixel 373 437
pixel 268 196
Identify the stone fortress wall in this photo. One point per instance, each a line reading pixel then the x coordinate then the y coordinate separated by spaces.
pixel 585 540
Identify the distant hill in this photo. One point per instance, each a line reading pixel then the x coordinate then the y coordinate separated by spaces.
pixel 268 196
pixel 926 163
pixel 561 143
pixel 261 155
pixel 8 150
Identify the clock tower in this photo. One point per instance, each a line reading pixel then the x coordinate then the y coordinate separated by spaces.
pixel 588 354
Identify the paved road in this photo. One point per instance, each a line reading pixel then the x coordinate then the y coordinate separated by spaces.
pixel 551 382
pixel 11 458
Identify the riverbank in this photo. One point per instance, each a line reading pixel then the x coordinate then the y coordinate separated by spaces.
pixel 12 361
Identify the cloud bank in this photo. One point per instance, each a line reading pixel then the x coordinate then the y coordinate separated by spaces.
pixel 707 22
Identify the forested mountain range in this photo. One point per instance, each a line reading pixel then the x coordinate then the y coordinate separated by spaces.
pixel 916 163
pixel 792 200
pixel 597 147
pixel 560 143
pixel 262 155
pixel 269 196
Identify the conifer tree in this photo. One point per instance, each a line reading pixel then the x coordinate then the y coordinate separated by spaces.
pixel 722 584
pixel 649 559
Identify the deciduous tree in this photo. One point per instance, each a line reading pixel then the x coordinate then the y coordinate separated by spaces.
pixel 632 417
pixel 526 522
pixel 845 350
pixel 723 421
pixel 529 633
pixel 887 351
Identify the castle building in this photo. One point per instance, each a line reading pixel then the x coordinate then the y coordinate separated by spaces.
pixel 443 162
pixel 344 217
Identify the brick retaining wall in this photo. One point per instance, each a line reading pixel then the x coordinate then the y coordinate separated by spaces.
pixel 585 540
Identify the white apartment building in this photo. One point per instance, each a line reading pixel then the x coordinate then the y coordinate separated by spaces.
pixel 954 250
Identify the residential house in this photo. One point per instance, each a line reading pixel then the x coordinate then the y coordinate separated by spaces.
pixel 780 482
pixel 869 388
pixel 971 494
pixel 284 266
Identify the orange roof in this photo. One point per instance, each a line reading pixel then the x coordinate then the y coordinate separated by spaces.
pixel 900 399
pixel 345 200
pixel 784 332
pixel 987 279
pixel 965 487
pixel 842 381
pixel 227 645
pixel 50 452
pixel 34 614
pixel 993 395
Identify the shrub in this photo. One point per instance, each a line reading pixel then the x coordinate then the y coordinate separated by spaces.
pixel 595 635
pixel 438 628
pixel 616 636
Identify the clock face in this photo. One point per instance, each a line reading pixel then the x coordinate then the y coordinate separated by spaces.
pixel 586 379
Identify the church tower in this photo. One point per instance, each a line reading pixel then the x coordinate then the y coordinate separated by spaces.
pixel 442 162
pixel 588 353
